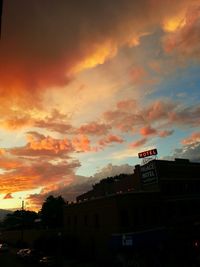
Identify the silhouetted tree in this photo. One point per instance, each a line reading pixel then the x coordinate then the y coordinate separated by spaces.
pixel 52 211
pixel 19 219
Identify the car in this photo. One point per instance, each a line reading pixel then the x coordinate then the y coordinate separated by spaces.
pixel 48 261
pixel 4 247
pixel 29 254
pixel 22 252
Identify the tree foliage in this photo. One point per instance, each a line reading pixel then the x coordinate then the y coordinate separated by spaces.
pixel 20 219
pixel 52 212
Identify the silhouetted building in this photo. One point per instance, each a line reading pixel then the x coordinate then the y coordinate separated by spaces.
pixel 164 207
pixel 112 185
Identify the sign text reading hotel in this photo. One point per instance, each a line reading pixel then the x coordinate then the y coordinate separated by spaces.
pixel 144 154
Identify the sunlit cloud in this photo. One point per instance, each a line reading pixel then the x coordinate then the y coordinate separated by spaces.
pixel 189 151
pixel 94 128
pixel 184 38
pixel 138 143
pixel 193 138
pixel 72 94
pixel 79 185
pixel 81 143
pixel 176 22
pixel 16 122
pixel 109 139
pixel 159 110
pixel 138 74
pixel 101 53
pixel 48 143
pixel 165 133
pixel 55 122
pixel 59 48
pixel 32 175
pixel 147 130
pixel 8 196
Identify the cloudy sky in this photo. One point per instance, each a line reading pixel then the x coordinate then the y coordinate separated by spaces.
pixel 86 85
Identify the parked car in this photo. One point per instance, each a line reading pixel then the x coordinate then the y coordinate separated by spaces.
pixel 22 253
pixel 29 254
pixel 4 247
pixel 48 261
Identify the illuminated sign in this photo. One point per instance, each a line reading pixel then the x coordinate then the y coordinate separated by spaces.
pixel 148 173
pixel 144 154
pixel 127 241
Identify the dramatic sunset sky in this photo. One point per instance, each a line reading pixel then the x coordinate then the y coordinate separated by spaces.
pixel 87 84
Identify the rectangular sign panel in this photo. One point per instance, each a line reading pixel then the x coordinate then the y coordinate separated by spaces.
pixel 127 240
pixel 148 173
pixel 148 153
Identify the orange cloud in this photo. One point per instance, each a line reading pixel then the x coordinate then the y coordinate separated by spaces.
pixel 77 186
pixel 185 116
pixel 16 122
pixel 185 38
pixel 68 190
pixel 8 163
pixel 165 133
pixel 138 143
pixel 50 144
pixel 128 115
pixel 174 23
pixel 41 146
pixel 57 122
pixel 110 139
pixel 94 128
pixel 138 74
pixel 81 143
pixel 148 130
pixel 57 41
pixel 8 196
pixel 101 53
pixel 2 151
pixel 194 138
pixel 123 120
pixel 127 105
pixel 32 175
pixel 159 113
pixel 159 110
pixel 62 128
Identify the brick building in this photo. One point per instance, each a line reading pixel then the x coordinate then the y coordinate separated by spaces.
pixel 164 205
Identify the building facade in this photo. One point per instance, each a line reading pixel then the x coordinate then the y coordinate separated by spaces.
pixel 161 204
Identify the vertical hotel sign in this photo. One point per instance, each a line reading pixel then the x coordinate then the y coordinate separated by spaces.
pixel 148 171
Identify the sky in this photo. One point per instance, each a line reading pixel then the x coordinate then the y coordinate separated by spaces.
pixel 87 85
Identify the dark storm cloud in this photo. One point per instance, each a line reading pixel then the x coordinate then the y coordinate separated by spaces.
pixel 44 42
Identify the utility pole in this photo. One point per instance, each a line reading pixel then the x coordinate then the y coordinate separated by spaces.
pixel 22 222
